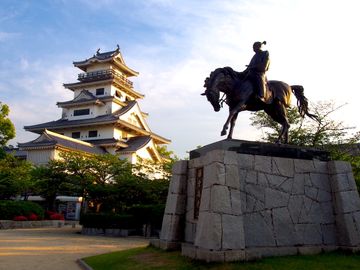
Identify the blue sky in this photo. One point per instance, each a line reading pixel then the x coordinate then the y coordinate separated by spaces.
pixel 174 45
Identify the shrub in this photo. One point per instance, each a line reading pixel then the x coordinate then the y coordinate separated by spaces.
pixel 20 218
pixel 107 220
pixel 148 214
pixel 9 209
pixel 33 217
pixel 57 216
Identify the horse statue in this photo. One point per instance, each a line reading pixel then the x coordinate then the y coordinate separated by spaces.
pixel 240 96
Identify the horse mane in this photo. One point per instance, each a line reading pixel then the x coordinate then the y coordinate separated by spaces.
pixel 235 75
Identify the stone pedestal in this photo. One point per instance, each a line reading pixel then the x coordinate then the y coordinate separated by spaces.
pixel 237 200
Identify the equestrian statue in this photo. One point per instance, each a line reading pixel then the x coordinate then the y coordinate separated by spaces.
pixel 250 91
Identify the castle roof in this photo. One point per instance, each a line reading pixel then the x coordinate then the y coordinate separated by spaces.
pixel 49 139
pixel 111 56
pixel 113 118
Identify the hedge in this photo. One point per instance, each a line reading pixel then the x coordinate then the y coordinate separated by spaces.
pixel 134 218
pixel 9 209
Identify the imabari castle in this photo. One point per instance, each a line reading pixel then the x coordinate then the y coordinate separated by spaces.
pixel 103 117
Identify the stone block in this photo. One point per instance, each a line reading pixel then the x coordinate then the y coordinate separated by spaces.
pixel 275 251
pixel 341 182
pixel 286 186
pixel 190 232
pixel 251 177
pixel 284 228
pixel 321 181
pixel 169 245
pixel 283 166
pixel 304 166
pixel 188 250
pixel 256 191
pixel 262 180
pixel 347 233
pixel 329 234
pixel 234 255
pixel 178 184
pixel 180 167
pixel 233 232
pixel 175 204
pixel 327 213
pixel 208 231
pixel 295 205
pixel 309 250
pixel 205 199
pixel 210 255
pixel 257 232
pixel 324 196
pixel 246 161
pixel 235 197
pixel 275 181
pixel 347 202
pixel 214 174
pixel 321 166
pixel 232 176
pixel 231 158
pixel 190 187
pixel 311 193
pixel 263 164
pixel 275 198
pixel 298 187
pixel 309 234
pixel 250 203
pixel 220 200
pixel 336 167
pixel 217 156
pixel 172 228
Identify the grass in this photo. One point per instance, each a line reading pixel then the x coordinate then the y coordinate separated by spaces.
pixel 150 258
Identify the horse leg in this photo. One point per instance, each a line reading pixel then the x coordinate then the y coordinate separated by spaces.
pixel 232 125
pixel 278 113
pixel 284 122
pixel 235 110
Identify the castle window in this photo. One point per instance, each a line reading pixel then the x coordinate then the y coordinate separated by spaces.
pixel 81 112
pixel 75 135
pixel 100 91
pixel 93 133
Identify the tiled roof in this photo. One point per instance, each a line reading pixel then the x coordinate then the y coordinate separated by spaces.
pixel 49 139
pixel 136 143
pixel 99 56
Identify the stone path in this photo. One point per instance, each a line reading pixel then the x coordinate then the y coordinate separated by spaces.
pixel 55 248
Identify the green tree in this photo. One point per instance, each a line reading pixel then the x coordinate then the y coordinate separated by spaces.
pixel 51 181
pixel 323 133
pixel 7 128
pixel 15 177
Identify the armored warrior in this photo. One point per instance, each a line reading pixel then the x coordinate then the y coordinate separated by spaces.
pixel 257 68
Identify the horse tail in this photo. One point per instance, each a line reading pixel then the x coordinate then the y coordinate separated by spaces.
pixel 302 102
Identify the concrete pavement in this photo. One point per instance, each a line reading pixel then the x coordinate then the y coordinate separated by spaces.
pixel 55 248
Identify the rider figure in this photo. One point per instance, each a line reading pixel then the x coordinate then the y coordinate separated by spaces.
pixel 259 64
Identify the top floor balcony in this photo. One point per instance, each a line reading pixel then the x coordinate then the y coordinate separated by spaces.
pixel 103 75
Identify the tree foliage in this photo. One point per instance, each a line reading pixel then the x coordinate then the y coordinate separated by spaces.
pixel 323 133
pixel 15 177
pixel 7 128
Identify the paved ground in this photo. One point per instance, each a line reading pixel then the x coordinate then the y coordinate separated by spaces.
pixel 55 248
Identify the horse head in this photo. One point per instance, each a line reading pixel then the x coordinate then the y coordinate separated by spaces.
pixel 215 84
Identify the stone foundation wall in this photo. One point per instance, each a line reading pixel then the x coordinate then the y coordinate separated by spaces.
pixel 226 206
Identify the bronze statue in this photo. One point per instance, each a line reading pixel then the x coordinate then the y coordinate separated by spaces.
pixel 256 69
pixel 240 96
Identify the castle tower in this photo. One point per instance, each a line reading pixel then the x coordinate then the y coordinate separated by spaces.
pixel 104 113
